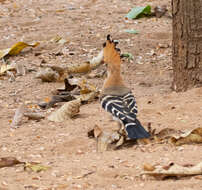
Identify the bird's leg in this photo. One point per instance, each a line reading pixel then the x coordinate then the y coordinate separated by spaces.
pixel 120 129
pixel 122 133
pixel 120 142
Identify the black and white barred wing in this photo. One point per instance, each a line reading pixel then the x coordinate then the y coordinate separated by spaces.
pixel 123 108
pixel 130 103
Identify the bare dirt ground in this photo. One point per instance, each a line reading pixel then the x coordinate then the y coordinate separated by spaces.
pixel 65 147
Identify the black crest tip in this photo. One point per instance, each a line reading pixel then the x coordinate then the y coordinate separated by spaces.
pixel 115 43
pixel 108 37
pixel 117 49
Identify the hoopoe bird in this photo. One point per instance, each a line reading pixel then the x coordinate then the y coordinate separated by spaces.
pixel 118 99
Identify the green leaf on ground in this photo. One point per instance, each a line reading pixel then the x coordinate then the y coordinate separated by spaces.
pixel 138 12
pixel 131 31
pixel 127 55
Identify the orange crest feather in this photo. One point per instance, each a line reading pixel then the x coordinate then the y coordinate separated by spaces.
pixel 111 53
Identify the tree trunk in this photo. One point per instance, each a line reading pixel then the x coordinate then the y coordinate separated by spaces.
pixel 187 44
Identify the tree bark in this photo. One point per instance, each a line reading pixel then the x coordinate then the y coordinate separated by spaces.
pixel 187 44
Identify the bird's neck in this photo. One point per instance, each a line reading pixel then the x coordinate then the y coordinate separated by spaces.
pixel 113 78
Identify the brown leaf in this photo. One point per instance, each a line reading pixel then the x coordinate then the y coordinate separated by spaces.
pixel 88 97
pixel 34 116
pixel 9 161
pixel 176 171
pixel 166 132
pixel 83 84
pixel 67 111
pixel 68 86
pixel 77 68
pixel 105 139
pixel 194 136
pixel 47 75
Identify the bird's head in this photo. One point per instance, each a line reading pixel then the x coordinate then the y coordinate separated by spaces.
pixel 111 54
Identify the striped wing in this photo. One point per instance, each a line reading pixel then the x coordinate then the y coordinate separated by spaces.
pixel 130 103
pixel 121 107
pixel 124 108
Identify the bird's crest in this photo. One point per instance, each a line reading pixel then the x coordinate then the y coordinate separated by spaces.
pixel 111 53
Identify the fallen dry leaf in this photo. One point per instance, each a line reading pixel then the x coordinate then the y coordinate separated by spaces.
pixel 80 68
pixel 194 136
pixel 88 97
pixel 56 99
pixel 17 119
pixel 85 67
pixel 11 76
pixel 34 116
pixel 47 75
pixel 5 67
pixel 68 86
pixel 67 111
pixel 163 136
pixel 59 40
pixel 175 170
pixel 75 88
pixel 35 167
pixel 85 87
pixel 16 49
pixel 9 161
pixel 105 138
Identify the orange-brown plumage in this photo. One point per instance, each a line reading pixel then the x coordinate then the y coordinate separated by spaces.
pixel 114 82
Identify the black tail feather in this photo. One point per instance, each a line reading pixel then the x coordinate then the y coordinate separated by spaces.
pixel 137 131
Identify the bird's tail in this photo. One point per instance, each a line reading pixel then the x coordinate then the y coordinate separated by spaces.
pixel 136 130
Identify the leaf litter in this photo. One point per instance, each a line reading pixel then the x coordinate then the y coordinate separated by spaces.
pixel 9 161
pixel 6 67
pixel 35 167
pixel 67 111
pixel 16 49
pixel 191 137
pixel 75 88
pixel 106 139
pixel 47 75
pixel 28 166
pixel 172 170
pixel 64 71
pixel 34 116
